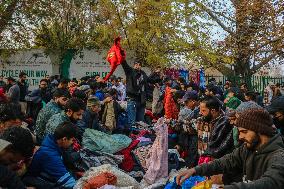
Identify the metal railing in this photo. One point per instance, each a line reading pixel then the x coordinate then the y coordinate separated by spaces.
pixel 256 83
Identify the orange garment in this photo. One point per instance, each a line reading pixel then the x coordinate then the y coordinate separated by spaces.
pixel 171 110
pixel 101 180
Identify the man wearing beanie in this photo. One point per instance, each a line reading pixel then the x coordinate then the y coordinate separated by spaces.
pixel 260 159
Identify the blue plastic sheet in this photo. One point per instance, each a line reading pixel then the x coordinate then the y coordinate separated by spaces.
pixel 187 184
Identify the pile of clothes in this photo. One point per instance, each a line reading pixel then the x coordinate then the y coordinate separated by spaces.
pixel 106 175
pixel 140 159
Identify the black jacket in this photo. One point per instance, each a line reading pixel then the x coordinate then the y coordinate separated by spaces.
pixel 23 90
pixel 135 89
pixel 9 179
pixel 262 169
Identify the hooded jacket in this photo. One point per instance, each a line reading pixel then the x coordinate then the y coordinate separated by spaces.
pixel 48 165
pixel 261 169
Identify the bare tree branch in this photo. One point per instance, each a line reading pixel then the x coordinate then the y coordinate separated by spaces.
pixel 268 42
pixel 122 25
pixel 213 16
pixel 263 62
pixel 223 15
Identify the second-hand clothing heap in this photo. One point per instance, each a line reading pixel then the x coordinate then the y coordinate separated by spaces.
pixel 157 163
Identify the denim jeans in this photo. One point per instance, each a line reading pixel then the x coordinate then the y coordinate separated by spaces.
pixel 135 112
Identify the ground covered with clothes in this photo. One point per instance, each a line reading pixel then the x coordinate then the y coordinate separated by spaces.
pixel 140 160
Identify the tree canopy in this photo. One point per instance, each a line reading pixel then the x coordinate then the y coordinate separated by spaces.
pixel 254 33
pixel 246 34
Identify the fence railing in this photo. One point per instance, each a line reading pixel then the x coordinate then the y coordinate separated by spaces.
pixel 256 83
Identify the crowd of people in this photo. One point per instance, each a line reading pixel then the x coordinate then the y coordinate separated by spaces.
pixel 147 126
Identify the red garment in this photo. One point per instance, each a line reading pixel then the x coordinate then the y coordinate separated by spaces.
pixel 184 154
pixel 115 56
pixel 150 114
pixel 101 180
pixel 128 161
pixel 204 159
pixel 171 110
pixel 141 134
pixel 76 145
pixel 3 98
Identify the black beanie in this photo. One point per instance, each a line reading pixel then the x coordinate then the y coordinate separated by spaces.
pixel 257 120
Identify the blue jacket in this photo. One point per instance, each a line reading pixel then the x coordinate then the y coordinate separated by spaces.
pixel 48 164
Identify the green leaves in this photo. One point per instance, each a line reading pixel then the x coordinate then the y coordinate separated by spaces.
pixel 158 32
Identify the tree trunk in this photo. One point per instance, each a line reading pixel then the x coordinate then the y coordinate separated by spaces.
pixel 243 37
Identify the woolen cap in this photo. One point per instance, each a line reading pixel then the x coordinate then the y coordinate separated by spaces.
pixel 277 105
pixel 257 120
pixel 247 106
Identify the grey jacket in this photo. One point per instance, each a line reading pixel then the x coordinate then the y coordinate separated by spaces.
pixel 261 169
pixel 14 93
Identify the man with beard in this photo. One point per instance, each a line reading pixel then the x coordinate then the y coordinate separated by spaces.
pixel 37 99
pixel 73 112
pixel 243 90
pixel 260 159
pixel 55 106
pixel 215 133
pixel 276 108
pixel 215 136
